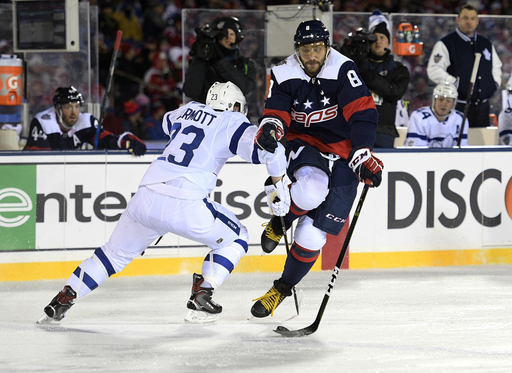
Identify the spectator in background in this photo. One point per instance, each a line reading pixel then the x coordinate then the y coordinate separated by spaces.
pixel 154 22
pixel 160 83
pixel 438 126
pixel 173 31
pixel 133 121
pixel 422 96
pixel 65 127
pixel 107 25
pixel 217 57
pixel 452 60
pixel 154 122
pixel 386 78
pixel 129 23
pixel 128 79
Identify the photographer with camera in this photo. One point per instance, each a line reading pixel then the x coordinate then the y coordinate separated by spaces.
pixel 386 77
pixel 217 57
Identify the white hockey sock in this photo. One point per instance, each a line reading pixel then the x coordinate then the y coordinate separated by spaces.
pixel 219 263
pixel 87 276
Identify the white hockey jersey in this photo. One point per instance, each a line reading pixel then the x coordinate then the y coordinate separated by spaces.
pixel 426 130
pixel 202 140
pixel 505 118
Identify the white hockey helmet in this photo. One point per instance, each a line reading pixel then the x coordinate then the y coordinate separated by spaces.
pixel 446 90
pixel 226 96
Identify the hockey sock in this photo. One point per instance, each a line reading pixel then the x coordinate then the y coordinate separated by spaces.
pixel 206 284
pixel 91 273
pixel 298 263
pixel 219 263
pixel 294 213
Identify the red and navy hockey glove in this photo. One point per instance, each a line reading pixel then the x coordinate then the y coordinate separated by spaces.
pixel 131 142
pixel 366 166
pixel 269 133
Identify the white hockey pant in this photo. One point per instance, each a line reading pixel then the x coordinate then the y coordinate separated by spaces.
pixel 311 187
pixel 150 215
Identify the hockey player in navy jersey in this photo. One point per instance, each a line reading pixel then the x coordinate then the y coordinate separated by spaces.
pixel 64 127
pixel 173 196
pixel 319 103
pixel 438 125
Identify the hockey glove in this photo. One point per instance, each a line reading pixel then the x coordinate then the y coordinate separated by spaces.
pixel 278 197
pixel 366 166
pixel 269 133
pixel 131 142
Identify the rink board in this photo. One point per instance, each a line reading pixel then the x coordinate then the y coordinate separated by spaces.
pixel 434 207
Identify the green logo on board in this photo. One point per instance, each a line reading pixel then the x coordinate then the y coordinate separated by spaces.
pixel 17 207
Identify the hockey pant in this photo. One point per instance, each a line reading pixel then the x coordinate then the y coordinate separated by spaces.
pixel 150 215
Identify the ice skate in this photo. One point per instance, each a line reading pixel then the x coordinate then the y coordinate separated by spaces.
pixel 272 234
pixel 202 307
pixel 266 304
pixel 60 304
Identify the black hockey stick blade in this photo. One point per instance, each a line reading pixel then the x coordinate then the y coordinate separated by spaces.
pixel 285 332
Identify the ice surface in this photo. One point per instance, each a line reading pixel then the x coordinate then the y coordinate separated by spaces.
pixel 442 319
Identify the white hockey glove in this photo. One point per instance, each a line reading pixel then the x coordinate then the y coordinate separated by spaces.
pixel 366 166
pixel 278 197
pixel 269 133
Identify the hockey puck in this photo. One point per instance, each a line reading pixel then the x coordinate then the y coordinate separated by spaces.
pixel 282 329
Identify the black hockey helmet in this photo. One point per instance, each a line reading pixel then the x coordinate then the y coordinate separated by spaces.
pixel 312 31
pixel 225 23
pixel 66 95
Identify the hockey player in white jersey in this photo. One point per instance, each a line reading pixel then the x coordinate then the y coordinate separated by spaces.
pixel 173 197
pixel 505 116
pixel 438 126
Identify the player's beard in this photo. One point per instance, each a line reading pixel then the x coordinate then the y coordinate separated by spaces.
pixel 313 67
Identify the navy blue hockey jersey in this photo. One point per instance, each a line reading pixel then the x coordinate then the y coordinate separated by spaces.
pixel 45 133
pixel 333 111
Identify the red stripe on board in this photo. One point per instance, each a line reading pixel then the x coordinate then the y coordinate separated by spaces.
pixel 332 248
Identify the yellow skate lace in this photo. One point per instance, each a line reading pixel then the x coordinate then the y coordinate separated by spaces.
pixel 269 232
pixel 270 300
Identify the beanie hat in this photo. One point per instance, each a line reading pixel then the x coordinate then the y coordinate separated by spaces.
pixel 131 107
pixel 381 29
pixel 379 23
pixel 125 48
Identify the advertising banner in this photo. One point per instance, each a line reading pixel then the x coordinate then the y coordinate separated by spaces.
pixel 429 200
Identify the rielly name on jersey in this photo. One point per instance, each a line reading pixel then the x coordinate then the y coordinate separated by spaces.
pixel 46 134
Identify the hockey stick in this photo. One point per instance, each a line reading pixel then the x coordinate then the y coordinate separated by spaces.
pixel 109 84
pixel 470 92
pixel 313 327
pixel 283 226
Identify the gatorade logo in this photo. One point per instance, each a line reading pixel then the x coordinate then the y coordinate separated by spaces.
pixel 14 200
pixel 12 82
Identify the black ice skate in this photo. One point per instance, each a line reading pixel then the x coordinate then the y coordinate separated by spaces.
pixel 203 308
pixel 272 234
pixel 266 304
pixel 60 304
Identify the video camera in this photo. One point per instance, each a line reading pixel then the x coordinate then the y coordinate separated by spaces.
pixel 357 45
pixel 204 46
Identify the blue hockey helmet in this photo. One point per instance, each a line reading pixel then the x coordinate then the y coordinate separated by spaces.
pixel 312 31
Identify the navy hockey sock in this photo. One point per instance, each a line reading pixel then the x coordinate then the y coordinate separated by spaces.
pixel 298 264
